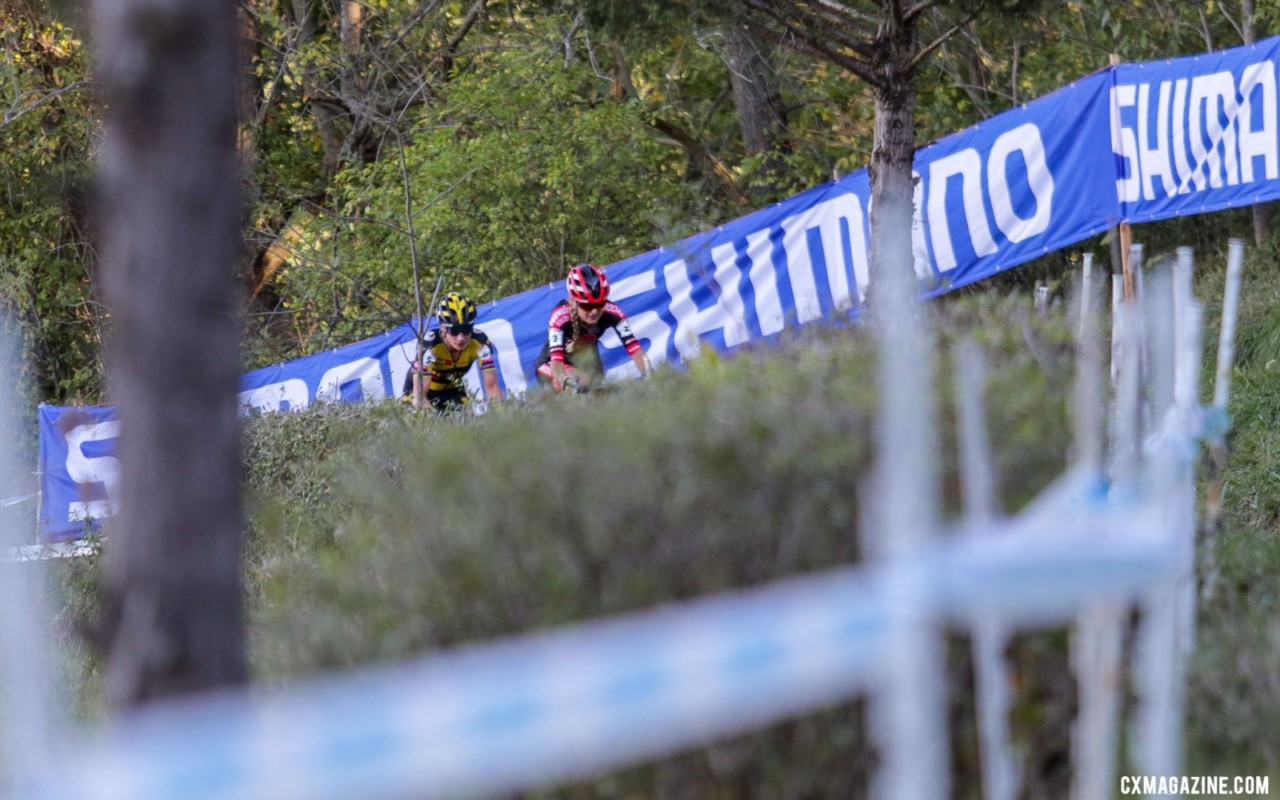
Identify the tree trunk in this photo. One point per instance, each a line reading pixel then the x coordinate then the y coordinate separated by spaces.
pixel 248 88
pixel 892 156
pixel 755 98
pixel 912 763
pixel 168 193
pixel 361 142
pixel 328 113
pixel 757 104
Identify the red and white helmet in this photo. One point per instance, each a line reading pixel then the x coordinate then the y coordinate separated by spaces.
pixel 587 284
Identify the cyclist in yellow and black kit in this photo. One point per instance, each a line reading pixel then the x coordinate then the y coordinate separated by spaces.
pixel 451 350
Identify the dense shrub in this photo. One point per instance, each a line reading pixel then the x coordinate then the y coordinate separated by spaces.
pixel 378 533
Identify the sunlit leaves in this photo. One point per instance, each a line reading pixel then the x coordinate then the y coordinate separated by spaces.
pixel 46 136
pixel 527 166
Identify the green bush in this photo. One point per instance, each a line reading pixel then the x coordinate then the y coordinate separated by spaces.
pixel 383 533
pixel 379 533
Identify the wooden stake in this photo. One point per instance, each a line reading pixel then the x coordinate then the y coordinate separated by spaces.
pixel 1126 239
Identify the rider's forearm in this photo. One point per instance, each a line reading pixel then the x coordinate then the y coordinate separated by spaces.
pixel 491 389
pixel 641 361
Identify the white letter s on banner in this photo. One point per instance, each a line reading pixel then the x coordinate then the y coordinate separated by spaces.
pixel 83 469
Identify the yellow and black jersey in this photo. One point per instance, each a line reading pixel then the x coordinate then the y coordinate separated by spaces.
pixel 444 369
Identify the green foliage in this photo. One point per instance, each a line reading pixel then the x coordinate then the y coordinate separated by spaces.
pixel 1233 687
pixel 45 281
pixel 1146 31
pixel 79 589
pixel 287 459
pixel 566 510
pixel 645 17
pixel 1000 61
pixel 528 167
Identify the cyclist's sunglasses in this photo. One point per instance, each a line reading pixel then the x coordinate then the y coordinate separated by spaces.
pixel 458 330
pixel 590 306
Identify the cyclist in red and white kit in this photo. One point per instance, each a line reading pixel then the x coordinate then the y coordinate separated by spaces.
pixel 570 358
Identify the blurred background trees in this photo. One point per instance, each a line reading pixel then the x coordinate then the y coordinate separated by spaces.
pixel 47 263
pixel 534 134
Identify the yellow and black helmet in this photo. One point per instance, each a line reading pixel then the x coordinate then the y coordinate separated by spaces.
pixel 456 311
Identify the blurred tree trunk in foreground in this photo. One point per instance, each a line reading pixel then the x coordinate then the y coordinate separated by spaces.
pixel 169 220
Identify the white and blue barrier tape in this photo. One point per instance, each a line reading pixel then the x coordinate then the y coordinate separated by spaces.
pixel 542 708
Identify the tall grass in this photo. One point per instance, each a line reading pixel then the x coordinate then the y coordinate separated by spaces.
pixel 1234 680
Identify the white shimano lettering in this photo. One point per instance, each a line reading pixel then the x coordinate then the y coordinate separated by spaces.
pixel 967 165
pixel 1212 97
pixel 506 354
pixel 1024 139
pixel 1181 163
pixel 83 469
pixel 728 278
pixel 764 282
pixel 693 322
pixel 1207 132
pixel 1258 102
pixel 646 325
pixel 830 218
pixel 1155 161
pixel 365 370
pixel 282 396
pixel 100 469
pixel 1124 143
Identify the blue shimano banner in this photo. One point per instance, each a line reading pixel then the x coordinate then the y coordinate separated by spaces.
pixel 1130 143
pixel 357 373
pixel 1197 134
pixel 1027 182
pixel 78 469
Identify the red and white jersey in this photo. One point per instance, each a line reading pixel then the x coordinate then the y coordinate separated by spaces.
pixel 564 334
